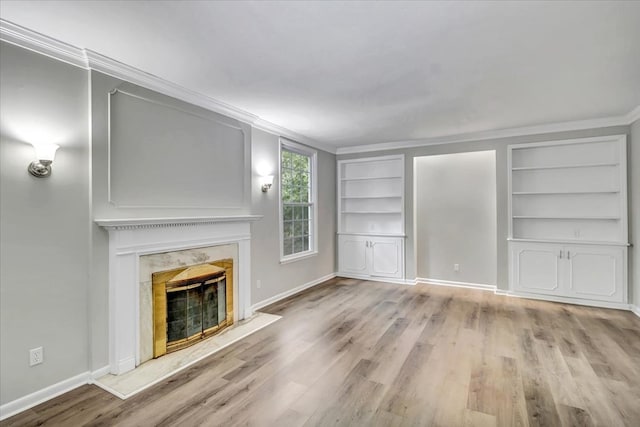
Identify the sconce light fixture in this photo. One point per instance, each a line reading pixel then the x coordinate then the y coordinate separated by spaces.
pixel 45 153
pixel 266 182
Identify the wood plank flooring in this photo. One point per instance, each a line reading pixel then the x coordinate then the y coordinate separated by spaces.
pixel 356 353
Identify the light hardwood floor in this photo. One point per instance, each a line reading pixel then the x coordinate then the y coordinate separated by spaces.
pixel 362 353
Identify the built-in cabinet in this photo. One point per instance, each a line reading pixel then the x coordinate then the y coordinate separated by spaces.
pixel 371 217
pixel 568 219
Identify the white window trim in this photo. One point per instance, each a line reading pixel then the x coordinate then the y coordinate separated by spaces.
pixel 313 240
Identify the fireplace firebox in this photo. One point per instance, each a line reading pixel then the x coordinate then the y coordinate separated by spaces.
pixel 190 304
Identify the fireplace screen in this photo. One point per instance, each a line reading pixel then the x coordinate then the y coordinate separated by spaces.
pixel 190 304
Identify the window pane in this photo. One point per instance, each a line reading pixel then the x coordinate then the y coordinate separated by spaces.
pixel 298 229
pixel 288 229
pixel 288 246
pixel 305 243
pixel 287 212
pixel 298 245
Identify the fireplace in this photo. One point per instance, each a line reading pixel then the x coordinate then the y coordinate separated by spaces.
pixel 140 247
pixel 191 304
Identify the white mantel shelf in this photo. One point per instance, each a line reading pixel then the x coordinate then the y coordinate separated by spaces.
pixel 133 223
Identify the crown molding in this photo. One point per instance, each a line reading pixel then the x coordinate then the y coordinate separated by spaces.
pixel 633 115
pixel 623 120
pixel 39 43
pixel 90 60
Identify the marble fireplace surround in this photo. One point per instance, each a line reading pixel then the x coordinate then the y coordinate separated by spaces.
pixel 130 239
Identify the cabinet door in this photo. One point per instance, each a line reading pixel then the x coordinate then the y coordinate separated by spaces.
pixel 536 268
pixel 386 257
pixel 596 273
pixel 352 254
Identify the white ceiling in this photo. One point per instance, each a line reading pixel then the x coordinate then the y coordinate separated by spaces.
pixel 348 73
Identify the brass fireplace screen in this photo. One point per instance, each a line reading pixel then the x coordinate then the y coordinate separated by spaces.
pixel 190 304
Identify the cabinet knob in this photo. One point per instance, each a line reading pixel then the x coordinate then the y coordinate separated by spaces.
pixel 560 254
pixel 568 254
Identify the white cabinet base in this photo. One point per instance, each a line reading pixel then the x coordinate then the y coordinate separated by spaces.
pixel 595 273
pixel 365 257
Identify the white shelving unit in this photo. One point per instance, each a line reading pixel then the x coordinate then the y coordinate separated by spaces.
pixel 568 210
pixel 371 217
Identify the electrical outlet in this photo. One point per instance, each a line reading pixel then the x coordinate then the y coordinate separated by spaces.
pixel 456 267
pixel 258 283
pixel 36 356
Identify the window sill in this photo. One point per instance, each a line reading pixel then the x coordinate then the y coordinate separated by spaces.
pixel 298 257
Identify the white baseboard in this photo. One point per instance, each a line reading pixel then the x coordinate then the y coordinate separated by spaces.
pixel 576 301
pixel 451 283
pixel 23 403
pixel 377 279
pixel 290 292
pixel 99 373
pixel 30 400
pixel 635 309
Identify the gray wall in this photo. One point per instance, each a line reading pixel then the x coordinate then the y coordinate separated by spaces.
pixel 44 223
pixel 633 167
pixel 455 203
pixel 265 244
pixel 500 146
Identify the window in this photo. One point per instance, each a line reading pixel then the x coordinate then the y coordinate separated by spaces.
pixel 297 201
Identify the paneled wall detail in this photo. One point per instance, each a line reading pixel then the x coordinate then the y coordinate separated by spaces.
pixel 162 156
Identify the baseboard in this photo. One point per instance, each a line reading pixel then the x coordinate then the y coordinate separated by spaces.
pixel 576 301
pixel 451 283
pixel 14 407
pixel 99 373
pixel 635 309
pixel 290 292
pixel 377 279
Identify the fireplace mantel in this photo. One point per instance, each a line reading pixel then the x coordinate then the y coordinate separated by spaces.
pixel 132 223
pixel 134 237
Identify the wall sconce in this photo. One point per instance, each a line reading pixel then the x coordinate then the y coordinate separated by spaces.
pixel 45 153
pixel 266 182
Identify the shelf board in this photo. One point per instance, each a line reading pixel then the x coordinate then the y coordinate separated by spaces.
pixel 586 165
pixel 611 218
pixel 570 241
pixel 371 212
pixel 529 193
pixel 372 233
pixel 371 197
pixel 371 178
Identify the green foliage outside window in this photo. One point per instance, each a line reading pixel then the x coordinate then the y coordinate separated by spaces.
pixel 296 202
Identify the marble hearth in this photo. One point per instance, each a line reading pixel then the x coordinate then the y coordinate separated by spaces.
pixel 138 246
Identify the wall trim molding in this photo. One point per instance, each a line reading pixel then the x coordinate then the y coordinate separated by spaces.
pixel 409 282
pixel 290 292
pixel 623 120
pixel 635 309
pixel 23 403
pixel 576 301
pixel 455 284
pixel 90 60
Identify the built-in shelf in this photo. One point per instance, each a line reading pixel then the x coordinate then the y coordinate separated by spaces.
pixel 576 241
pixel 574 190
pixel 534 193
pixel 614 218
pixel 571 166
pixel 371 212
pixel 568 231
pixel 370 178
pixel 371 197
